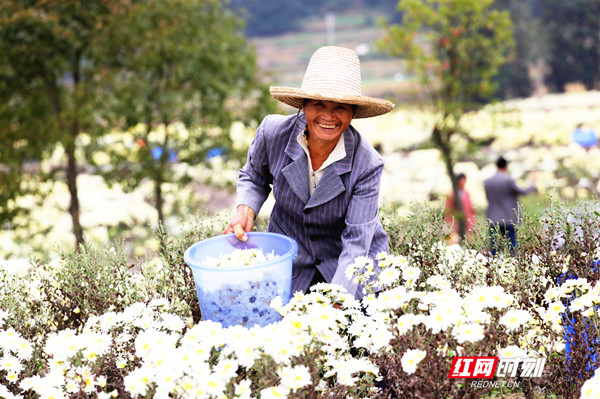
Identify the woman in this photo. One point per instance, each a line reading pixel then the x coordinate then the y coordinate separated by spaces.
pixel 325 177
pixel 468 212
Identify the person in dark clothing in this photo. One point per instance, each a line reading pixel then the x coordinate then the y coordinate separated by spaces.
pixel 502 194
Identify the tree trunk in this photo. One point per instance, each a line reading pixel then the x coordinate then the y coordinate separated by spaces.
pixel 158 200
pixel 71 169
pixel 72 184
pixel 443 143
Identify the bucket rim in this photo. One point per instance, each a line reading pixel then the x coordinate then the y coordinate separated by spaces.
pixel 194 264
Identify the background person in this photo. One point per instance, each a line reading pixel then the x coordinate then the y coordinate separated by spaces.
pixel 324 175
pixel 468 213
pixel 502 194
pixel 584 136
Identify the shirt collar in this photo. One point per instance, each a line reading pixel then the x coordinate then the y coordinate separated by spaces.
pixel 338 153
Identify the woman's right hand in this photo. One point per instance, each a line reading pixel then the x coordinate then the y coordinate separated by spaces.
pixel 242 222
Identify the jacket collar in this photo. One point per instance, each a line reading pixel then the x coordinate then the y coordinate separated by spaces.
pixel 330 186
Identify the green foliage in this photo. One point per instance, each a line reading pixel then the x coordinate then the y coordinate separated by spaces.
pixel 171 277
pixel 102 291
pixel 572 28
pixel 531 47
pixel 46 84
pixel 178 73
pixel 456 48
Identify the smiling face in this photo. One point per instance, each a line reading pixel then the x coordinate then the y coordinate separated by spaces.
pixel 326 121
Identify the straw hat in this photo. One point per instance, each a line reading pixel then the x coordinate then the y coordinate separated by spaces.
pixel 333 74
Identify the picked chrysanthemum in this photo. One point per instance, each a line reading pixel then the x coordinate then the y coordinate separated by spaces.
pixel 411 359
pixel 515 318
pixel 240 257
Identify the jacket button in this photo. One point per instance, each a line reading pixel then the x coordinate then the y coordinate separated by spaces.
pixel 318 261
pixel 306 211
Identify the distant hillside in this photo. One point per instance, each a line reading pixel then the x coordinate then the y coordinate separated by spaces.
pixel 285 57
pixel 270 18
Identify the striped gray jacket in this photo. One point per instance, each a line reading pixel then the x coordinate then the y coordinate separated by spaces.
pixel 339 222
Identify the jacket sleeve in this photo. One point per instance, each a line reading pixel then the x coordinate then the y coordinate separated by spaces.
pixel 522 191
pixel 255 179
pixel 362 221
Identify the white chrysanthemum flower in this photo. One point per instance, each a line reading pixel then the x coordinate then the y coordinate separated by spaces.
pixel 95 344
pixel 152 344
pixel 388 276
pixel 294 378
pixel 512 351
pixel 172 322
pixel 468 332
pixel 388 300
pixel 5 393
pixel 478 316
pixel 438 281
pixel 51 393
pixel 439 319
pixel 479 297
pixel 552 294
pixel 136 382
pixel 556 308
pixel 411 275
pixel 243 389
pixel 591 388
pixel 11 364
pixel 500 299
pixel 406 322
pixel 362 265
pixel 108 320
pixel 63 344
pixel 240 257
pixel 515 318
pixel 277 392
pixel 411 359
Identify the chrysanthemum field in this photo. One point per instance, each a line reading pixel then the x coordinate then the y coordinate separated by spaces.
pixel 97 324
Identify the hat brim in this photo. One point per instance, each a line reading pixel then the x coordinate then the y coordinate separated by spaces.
pixel 366 107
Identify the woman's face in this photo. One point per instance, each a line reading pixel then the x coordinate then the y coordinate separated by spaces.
pixel 327 120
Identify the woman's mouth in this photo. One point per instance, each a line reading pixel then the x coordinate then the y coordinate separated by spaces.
pixel 324 126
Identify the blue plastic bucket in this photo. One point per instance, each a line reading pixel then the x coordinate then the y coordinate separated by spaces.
pixel 240 295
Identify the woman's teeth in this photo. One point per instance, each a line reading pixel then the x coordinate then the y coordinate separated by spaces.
pixel 327 126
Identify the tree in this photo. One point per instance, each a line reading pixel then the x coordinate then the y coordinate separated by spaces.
pixel 523 74
pixel 46 82
pixel 456 48
pixel 575 41
pixel 177 73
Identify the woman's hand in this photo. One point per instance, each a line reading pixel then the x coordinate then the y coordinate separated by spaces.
pixel 242 221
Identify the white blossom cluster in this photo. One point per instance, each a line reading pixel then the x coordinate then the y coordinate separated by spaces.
pixel 240 257
pixel 321 341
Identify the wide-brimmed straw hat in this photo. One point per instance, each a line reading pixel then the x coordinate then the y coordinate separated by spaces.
pixel 333 74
